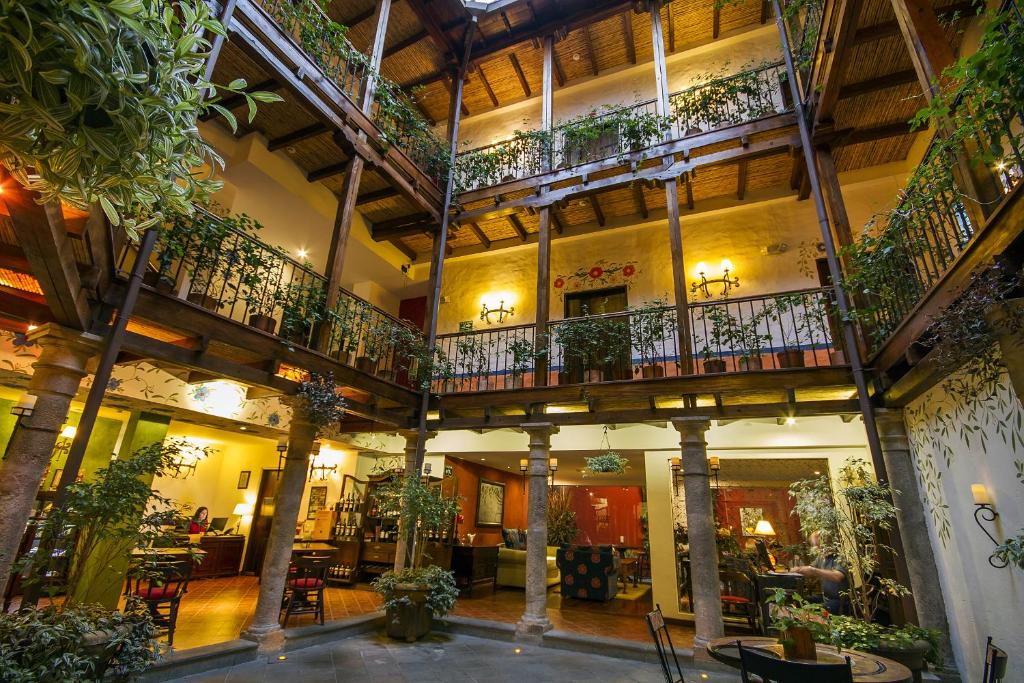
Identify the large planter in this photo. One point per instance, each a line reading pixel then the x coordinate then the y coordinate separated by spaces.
pixel 263 322
pixel 798 643
pixel 410 620
pixel 514 380
pixel 205 300
pixel 911 657
pixel 651 371
pixel 366 364
pixel 714 365
pixel 747 364
pixel 793 358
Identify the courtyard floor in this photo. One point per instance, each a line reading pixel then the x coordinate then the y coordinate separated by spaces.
pixel 449 658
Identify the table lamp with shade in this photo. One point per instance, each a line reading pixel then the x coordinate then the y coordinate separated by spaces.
pixel 764 530
pixel 241 510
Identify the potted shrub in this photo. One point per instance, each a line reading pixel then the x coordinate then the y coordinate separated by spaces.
pixel 345 321
pixel 260 274
pixel 472 361
pixel 302 303
pixel 718 323
pixel 789 312
pixel 593 344
pixel 852 520
pixel 417 594
pixel 522 357
pixel 650 325
pixel 748 339
pixel 799 623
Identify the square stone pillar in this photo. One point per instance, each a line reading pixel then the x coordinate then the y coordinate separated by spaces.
pixel 534 622
pixel 913 524
pixel 265 628
pixel 700 525
pixel 56 376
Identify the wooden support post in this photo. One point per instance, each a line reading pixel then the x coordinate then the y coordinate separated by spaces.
pixel 675 238
pixel 540 377
pixel 834 204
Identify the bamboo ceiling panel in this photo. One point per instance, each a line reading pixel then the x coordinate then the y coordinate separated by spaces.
pixel 316 153
pixel 768 172
pixel 714 181
pixel 866 154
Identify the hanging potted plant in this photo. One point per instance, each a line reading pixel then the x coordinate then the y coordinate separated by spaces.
pixel 789 313
pixel 650 326
pixel 852 521
pixel 718 322
pixel 416 595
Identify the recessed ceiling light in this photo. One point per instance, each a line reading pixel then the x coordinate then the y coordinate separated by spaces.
pixel 790 421
pixel 290 149
pixel 817 472
pixel 576 56
pixel 243 428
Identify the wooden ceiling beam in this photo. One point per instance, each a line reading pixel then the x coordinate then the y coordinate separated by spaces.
pixel 556 221
pixel 871 85
pixel 741 179
pixel 484 240
pixel 325 172
pixel 428 19
pixel 295 137
pixel 403 44
pixel 672 27
pixel 517 225
pixel 377 195
pixel 880 132
pixel 766 11
pixel 591 55
pixel 487 86
pixel 559 74
pixel 638 198
pixel 627 30
pixel 716 22
pixel 886 29
pixel 519 74
pixel 830 68
pixel 401 246
pixel 595 206
pixel 404 226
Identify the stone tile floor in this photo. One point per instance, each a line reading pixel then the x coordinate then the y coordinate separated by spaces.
pixel 444 657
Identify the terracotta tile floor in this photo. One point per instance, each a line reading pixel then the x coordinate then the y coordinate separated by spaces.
pixel 216 610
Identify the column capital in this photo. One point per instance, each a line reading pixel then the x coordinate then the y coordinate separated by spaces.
pixel 892 431
pixel 691 425
pixel 52 334
pixel 540 432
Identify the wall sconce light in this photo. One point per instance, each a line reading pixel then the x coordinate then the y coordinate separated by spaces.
pixel 677 470
pixel 524 465
pixel 715 466
pixel 320 472
pixel 25 406
pixel 282 448
pixel 500 311
pixel 553 467
pixel 725 280
pixel 984 511
pixel 182 468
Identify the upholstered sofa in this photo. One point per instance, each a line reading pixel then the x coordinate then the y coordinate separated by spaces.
pixel 512 567
pixel 588 573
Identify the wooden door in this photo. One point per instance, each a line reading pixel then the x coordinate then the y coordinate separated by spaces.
pixel 259 532
pixel 602 302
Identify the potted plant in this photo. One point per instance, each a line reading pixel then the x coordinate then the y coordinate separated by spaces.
pixel 609 462
pixel 852 521
pixel 522 356
pixel 345 321
pixel 799 623
pixel 302 302
pixel 747 338
pixel 650 325
pixel 579 339
pixel 208 261
pixel 718 323
pixel 417 594
pixel 472 361
pixel 562 527
pixel 259 275
pixel 789 313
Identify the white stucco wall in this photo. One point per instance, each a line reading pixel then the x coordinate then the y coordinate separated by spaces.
pixel 957 443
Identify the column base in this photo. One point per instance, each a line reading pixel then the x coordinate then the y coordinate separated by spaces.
pixel 532 629
pixel 270 638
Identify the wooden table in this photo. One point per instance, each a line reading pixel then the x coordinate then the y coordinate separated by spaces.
pixel 867 668
pixel 312 548
pixel 167 552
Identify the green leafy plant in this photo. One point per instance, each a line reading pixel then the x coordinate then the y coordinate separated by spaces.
pixel 651 324
pixel 303 302
pixel 562 528
pixel 591 342
pixel 1011 551
pixel 853 523
pixel 76 644
pixel 320 400
pixel 716 331
pixel 100 103
pixel 716 100
pixel 856 634
pixel 788 610
pixel 522 355
pixel 608 462
pixel 440 584
pixel 473 357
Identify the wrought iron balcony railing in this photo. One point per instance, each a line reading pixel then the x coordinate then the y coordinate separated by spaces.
pixel 771 332
pixel 725 101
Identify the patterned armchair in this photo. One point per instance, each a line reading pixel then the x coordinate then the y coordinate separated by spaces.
pixel 588 573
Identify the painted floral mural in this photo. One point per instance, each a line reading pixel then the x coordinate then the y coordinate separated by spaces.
pixel 603 273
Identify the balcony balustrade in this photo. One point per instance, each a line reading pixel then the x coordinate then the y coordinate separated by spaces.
pixel 221 266
pixel 770 332
pixel 726 101
pixel 324 42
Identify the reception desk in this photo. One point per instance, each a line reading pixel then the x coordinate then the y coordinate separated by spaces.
pixel 223 556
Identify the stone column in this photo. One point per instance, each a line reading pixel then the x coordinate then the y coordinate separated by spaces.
pixel 55 380
pixel 404 539
pixel 534 622
pixel 700 524
pixel 912 521
pixel 1007 321
pixel 265 627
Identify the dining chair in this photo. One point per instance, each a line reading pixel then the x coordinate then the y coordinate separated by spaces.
pixel 770 669
pixel 738 596
pixel 160 585
pixel 304 588
pixel 995 663
pixel 663 643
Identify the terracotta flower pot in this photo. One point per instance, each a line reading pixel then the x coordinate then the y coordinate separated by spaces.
pixel 366 364
pixel 514 381
pixel 797 643
pixel 714 365
pixel 792 358
pixel 837 357
pixel 592 376
pixel 205 300
pixel 747 364
pixel 410 621
pixel 159 282
pixel 650 371
pixel 263 322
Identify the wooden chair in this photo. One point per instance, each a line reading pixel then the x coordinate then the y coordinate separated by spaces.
pixel 304 588
pixel 663 643
pixel 995 663
pixel 160 585
pixel 738 596
pixel 769 669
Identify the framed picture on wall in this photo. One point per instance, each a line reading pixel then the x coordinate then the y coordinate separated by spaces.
pixel 243 479
pixel 317 501
pixel 490 503
pixel 748 519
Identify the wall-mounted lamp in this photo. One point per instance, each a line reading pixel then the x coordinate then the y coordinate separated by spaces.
pixel 182 468
pixel 715 466
pixel 727 281
pixel 676 464
pixel 500 311
pixel 524 465
pixel 282 448
pixel 553 467
pixel 25 406
pixel 984 511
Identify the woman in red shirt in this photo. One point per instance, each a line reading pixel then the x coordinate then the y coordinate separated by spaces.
pixel 199 521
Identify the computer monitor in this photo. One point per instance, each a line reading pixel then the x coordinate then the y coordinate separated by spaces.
pixel 217 524
pixel 763 556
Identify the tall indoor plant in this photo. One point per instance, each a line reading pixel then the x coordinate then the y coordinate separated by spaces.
pixel 416 594
pixel 650 325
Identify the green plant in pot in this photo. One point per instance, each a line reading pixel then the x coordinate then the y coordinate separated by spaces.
pixel 562 528
pixel 787 314
pixel 609 462
pixel 522 357
pixel 650 325
pixel 303 300
pixel 473 361
pixel 212 256
pixel 852 522
pixel 262 269
pixel 750 337
pixel 417 594
pixel 716 324
pixel 800 623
